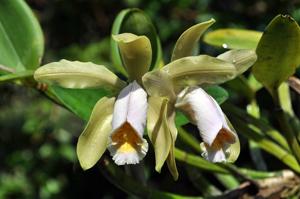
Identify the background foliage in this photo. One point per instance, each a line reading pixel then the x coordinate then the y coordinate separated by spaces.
pixel 38 137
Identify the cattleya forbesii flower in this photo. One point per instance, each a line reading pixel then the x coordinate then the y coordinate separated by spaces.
pixel 178 85
pixel 115 123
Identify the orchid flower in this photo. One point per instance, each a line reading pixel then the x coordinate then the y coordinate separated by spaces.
pixel 116 123
pixel 214 128
pixel 178 85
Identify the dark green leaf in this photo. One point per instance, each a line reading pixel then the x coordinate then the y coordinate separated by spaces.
pixel 181 119
pixel 278 52
pixel 218 93
pixel 79 101
pixel 21 38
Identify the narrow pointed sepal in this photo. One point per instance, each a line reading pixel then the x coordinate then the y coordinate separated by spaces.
pixel 136 54
pixel 92 143
pixel 75 74
pixel 188 40
pixel 171 162
pixel 162 133
pixel 158 130
pixel 126 143
pixel 216 133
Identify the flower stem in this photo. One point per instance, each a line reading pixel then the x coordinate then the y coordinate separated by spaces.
pixel 255 151
pixel 202 164
pixel 189 139
pixel 285 126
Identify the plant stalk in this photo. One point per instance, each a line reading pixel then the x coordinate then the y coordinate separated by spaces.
pixel 285 126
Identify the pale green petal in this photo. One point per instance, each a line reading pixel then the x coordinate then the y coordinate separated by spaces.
pixel 158 130
pixel 233 151
pixel 241 59
pixel 171 157
pixel 159 83
pixel 197 70
pixel 93 141
pixel 188 40
pixel 75 74
pixel 172 163
pixel 136 53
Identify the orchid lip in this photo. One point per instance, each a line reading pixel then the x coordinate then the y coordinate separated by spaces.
pixel 126 143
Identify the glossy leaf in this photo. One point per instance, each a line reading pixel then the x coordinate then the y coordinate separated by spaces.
pixel 188 40
pixel 241 59
pixel 158 130
pixel 181 120
pixel 218 93
pixel 92 143
pixel 136 54
pixel 75 74
pixel 21 38
pixel 233 38
pixel 197 70
pixel 137 22
pixel 278 52
pixel 241 87
pixel 79 101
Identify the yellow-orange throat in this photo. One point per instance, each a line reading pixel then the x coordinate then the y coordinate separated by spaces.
pixel 127 138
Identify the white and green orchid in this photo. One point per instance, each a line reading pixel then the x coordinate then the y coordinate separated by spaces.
pixel 116 124
pixel 178 85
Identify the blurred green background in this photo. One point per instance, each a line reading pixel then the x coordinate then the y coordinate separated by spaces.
pixel 38 138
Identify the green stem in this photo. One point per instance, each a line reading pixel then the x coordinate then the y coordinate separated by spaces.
pixel 266 144
pixel 189 139
pixel 263 127
pixel 227 181
pixel 202 164
pixel 198 162
pixel 282 119
pixel 255 151
pixel 285 98
pixel 202 183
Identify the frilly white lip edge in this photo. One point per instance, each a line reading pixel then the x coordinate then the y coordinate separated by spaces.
pixel 126 143
pixel 128 157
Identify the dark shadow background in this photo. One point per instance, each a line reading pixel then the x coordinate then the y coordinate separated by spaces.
pixel 38 138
